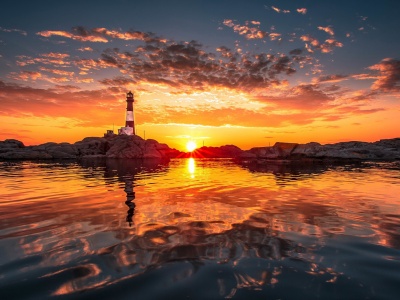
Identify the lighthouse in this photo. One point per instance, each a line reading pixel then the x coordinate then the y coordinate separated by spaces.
pixel 129 128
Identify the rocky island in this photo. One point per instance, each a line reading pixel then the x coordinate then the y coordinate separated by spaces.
pixel 387 149
pixel 118 146
pixel 135 147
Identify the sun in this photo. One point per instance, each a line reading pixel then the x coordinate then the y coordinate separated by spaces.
pixel 190 146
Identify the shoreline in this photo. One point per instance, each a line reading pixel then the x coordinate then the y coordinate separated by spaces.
pixel 135 147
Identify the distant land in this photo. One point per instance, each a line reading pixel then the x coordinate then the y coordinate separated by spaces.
pixel 135 147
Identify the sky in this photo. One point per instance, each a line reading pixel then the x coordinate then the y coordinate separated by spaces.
pixel 217 72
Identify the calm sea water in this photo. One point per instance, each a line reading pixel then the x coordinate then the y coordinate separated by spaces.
pixel 199 229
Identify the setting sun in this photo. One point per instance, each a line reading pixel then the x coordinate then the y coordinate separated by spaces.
pixel 190 146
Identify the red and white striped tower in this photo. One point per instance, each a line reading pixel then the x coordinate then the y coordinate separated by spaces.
pixel 129 128
pixel 129 111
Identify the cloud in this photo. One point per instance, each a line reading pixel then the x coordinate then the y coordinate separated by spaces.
pixel 246 30
pixel 224 116
pixel 100 35
pixel 307 97
pixel 14 30
pixel 26 75
pixel 331 78
pixel 51 58
pixel 278 10
pixel 330 45
pixel 56 71
pixel 69 103
pixel 187 66
pixel 180 65
pixel 84 38
pixel 389 75
pixel 83 49
pixel 331 88
pixel 358 110
pixel 359 96
pixel 302 11
pixel 327 29
pixel 313 44
pixel 364 76
pixel 118 81
pixel 56 55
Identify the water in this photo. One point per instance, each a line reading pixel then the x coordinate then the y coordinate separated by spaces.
pixel 199 229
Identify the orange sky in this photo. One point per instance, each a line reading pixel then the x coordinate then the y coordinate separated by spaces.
pixel 248 78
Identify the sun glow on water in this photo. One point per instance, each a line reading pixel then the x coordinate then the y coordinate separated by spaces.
pixel 191 166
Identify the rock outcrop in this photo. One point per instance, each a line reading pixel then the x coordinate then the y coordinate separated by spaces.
pixel 120 146
pixel 382 150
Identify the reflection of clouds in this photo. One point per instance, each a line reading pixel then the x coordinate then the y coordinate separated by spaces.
pixel 244 228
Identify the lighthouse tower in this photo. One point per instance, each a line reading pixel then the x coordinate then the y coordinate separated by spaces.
pixel 129 128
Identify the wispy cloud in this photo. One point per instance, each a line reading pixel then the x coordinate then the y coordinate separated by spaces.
pixel 82 38
pixel 23 32
pixel 331 78
pixel 99 35
pixel 278 10
pixel 69 103
pixel 46 58
pixel 26 75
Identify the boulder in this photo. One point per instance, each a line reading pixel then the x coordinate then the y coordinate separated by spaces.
pixel 59 151
pixel 284 150
pixel 125 146
pixel 91 146
pixel 307 150
pixel 12 143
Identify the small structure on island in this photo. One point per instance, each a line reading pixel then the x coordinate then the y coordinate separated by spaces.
pixel 129 128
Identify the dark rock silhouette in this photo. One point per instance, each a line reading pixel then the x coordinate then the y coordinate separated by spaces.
pixel 123 146
pixel 388 149
pixel 119 146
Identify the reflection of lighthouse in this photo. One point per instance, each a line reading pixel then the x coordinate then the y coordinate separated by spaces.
pixel 129 128
pixel 130 196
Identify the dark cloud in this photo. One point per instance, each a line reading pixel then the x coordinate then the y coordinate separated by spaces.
pixel 183 65
pixel 188 65
pixel 296 51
